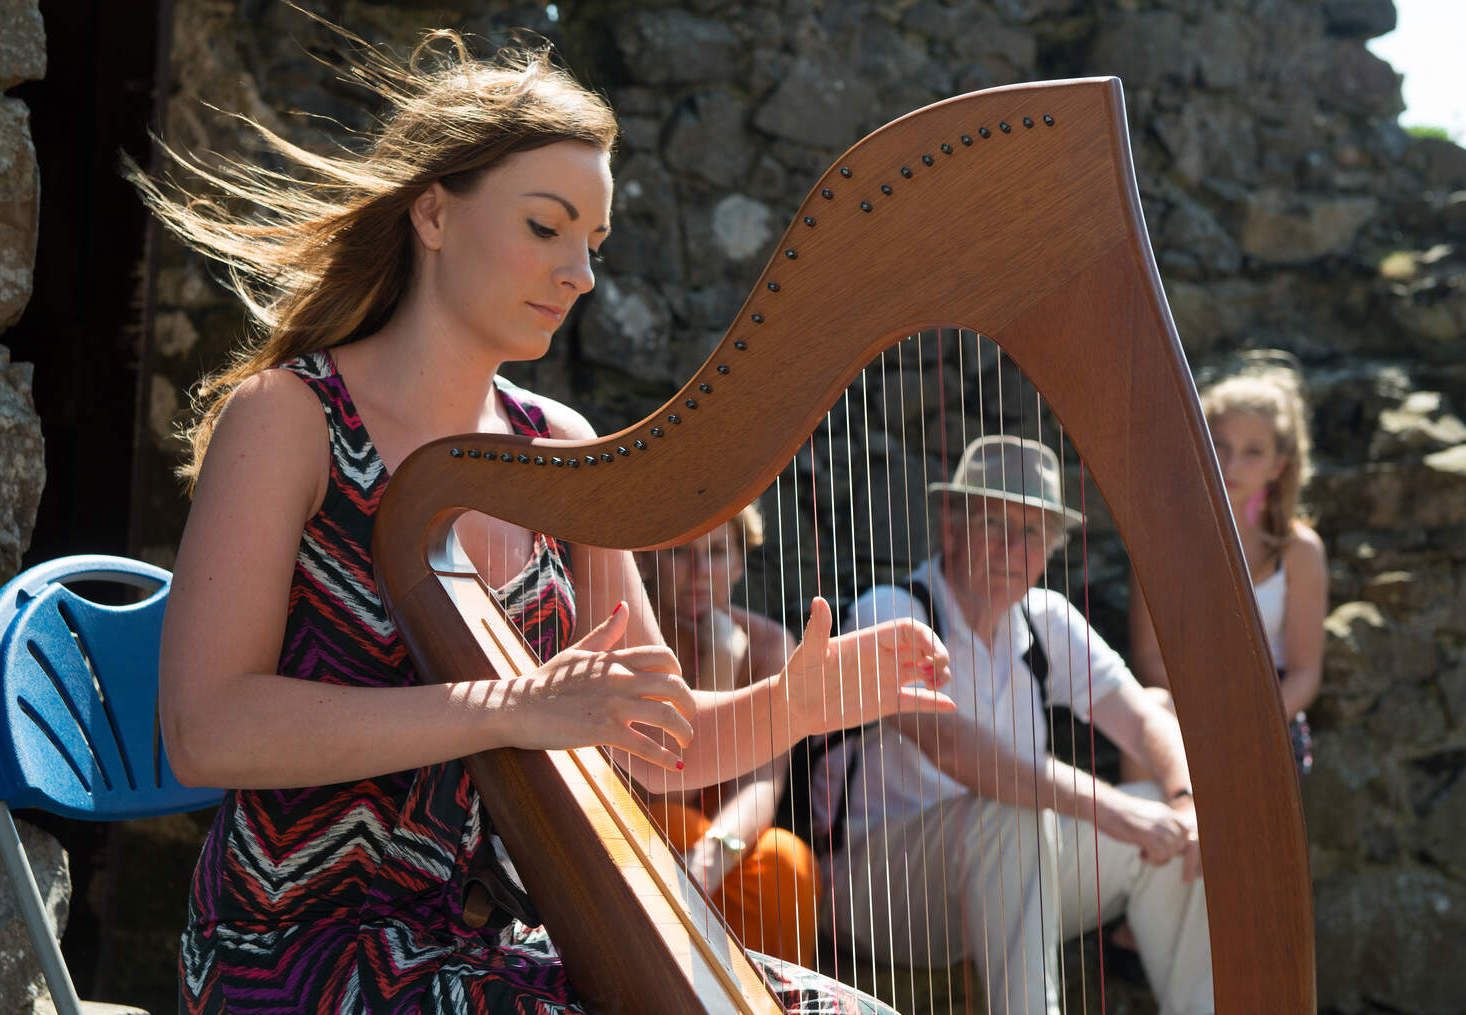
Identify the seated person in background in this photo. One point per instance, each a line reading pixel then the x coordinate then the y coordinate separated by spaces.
pixel 983 832
pixel 1260 429
pixel 763 879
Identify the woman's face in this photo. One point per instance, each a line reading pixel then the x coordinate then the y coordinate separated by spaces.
pixel 514 252
pixel 1247 451
pixel 696 578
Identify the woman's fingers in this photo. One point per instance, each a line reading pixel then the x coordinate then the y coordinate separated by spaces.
pixel 658 658
pixel 811 652
pixel 647 749
pixel 608 633
pixel 920 699
pixel 660 715
pixel 666 687
pixel 817 628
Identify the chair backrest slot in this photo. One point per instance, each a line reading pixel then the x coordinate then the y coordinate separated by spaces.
pixel 63 693
pixel 50 734
pixel 86 651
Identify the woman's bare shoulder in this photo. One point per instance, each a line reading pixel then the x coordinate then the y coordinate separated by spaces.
pixel 564 422
pixel 1306 563
pixel 274 424
pixel 1305 546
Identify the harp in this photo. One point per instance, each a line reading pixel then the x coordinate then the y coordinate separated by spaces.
pixel 1012 211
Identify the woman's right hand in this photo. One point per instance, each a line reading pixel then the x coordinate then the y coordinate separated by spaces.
pixel 594 694
pixel 869 673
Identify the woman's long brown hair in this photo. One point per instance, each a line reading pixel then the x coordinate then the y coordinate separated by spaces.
pixel 322 254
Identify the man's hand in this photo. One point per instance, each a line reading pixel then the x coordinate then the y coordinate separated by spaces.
pixel 1192 853
pixel 1161 832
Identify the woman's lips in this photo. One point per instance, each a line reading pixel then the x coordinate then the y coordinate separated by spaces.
pixel 549 312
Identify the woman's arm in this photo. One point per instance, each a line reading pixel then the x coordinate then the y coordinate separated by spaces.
pixel 1145 652
pixel 1304 611
pixel 874 671
pixel 747 808
pixel 231 720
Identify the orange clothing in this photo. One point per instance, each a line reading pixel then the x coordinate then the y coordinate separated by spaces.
pixel 769 898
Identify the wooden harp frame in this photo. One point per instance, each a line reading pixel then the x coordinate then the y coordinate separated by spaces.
pixel 1013 212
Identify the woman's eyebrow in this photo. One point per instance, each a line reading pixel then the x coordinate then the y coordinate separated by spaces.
pixel 570 209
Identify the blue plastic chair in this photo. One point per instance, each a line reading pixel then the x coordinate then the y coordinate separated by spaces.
pixel 79 697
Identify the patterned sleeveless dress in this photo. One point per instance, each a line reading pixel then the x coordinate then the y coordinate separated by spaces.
pixel 348 898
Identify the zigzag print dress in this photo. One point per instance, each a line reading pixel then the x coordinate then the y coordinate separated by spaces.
pixel 348 898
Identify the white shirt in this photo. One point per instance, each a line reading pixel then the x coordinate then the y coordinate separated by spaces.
pixel 991 686
pixel 1272 593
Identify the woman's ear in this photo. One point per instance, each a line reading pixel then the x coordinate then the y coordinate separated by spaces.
pixel 427 212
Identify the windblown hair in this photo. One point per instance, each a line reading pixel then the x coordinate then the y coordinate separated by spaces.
pixel 324 254
pixel 1268 385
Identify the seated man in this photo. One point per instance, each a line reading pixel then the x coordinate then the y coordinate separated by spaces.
pixel 985 835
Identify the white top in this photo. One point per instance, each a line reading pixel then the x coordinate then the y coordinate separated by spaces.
pixel 1272 593
pixel 990 685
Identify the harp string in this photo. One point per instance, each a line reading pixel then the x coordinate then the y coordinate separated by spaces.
pixel 1047 719
pixel 1045 954
pixel 923 419
pixel 945 463
pixel 903 896
pixel 962 422
pixel 1073 723
pixel 1089 675
pixel 901 387
pixel 860 683
pixel 898 897
pixel 834 534
pixel 881 729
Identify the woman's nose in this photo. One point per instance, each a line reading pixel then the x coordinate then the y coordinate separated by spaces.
pixel 579 276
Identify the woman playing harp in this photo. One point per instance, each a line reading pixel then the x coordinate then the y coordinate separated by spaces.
pixel 388 296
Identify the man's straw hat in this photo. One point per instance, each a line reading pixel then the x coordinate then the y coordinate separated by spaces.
pixel 1012 469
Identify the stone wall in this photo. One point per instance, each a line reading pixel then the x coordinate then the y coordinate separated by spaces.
pixel 22 463
pixel 22 469
pixel 1286 206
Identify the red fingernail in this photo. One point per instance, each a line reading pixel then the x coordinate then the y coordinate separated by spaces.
pixel 681 765
pixel 617 609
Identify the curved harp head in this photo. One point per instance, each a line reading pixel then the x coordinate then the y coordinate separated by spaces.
pixel 1013 212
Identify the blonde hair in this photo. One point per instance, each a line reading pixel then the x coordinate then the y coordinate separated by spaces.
pixel 327 252
pixel 1268 385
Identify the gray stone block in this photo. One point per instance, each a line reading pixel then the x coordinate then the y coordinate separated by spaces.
pixel 21 982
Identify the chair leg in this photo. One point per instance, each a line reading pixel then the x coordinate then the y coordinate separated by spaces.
pixel 48 950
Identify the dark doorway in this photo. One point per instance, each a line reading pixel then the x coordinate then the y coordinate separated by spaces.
pixel 84 329
pixel 84 326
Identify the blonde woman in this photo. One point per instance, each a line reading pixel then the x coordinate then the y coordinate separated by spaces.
pixel 388 286
pixel 1259 426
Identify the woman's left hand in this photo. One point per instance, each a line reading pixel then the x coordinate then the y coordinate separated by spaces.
pixel 837 683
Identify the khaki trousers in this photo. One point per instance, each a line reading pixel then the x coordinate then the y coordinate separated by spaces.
pixel 971 878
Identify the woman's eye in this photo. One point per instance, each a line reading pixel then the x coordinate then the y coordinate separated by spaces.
pixel 596 255
pixel 543 232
